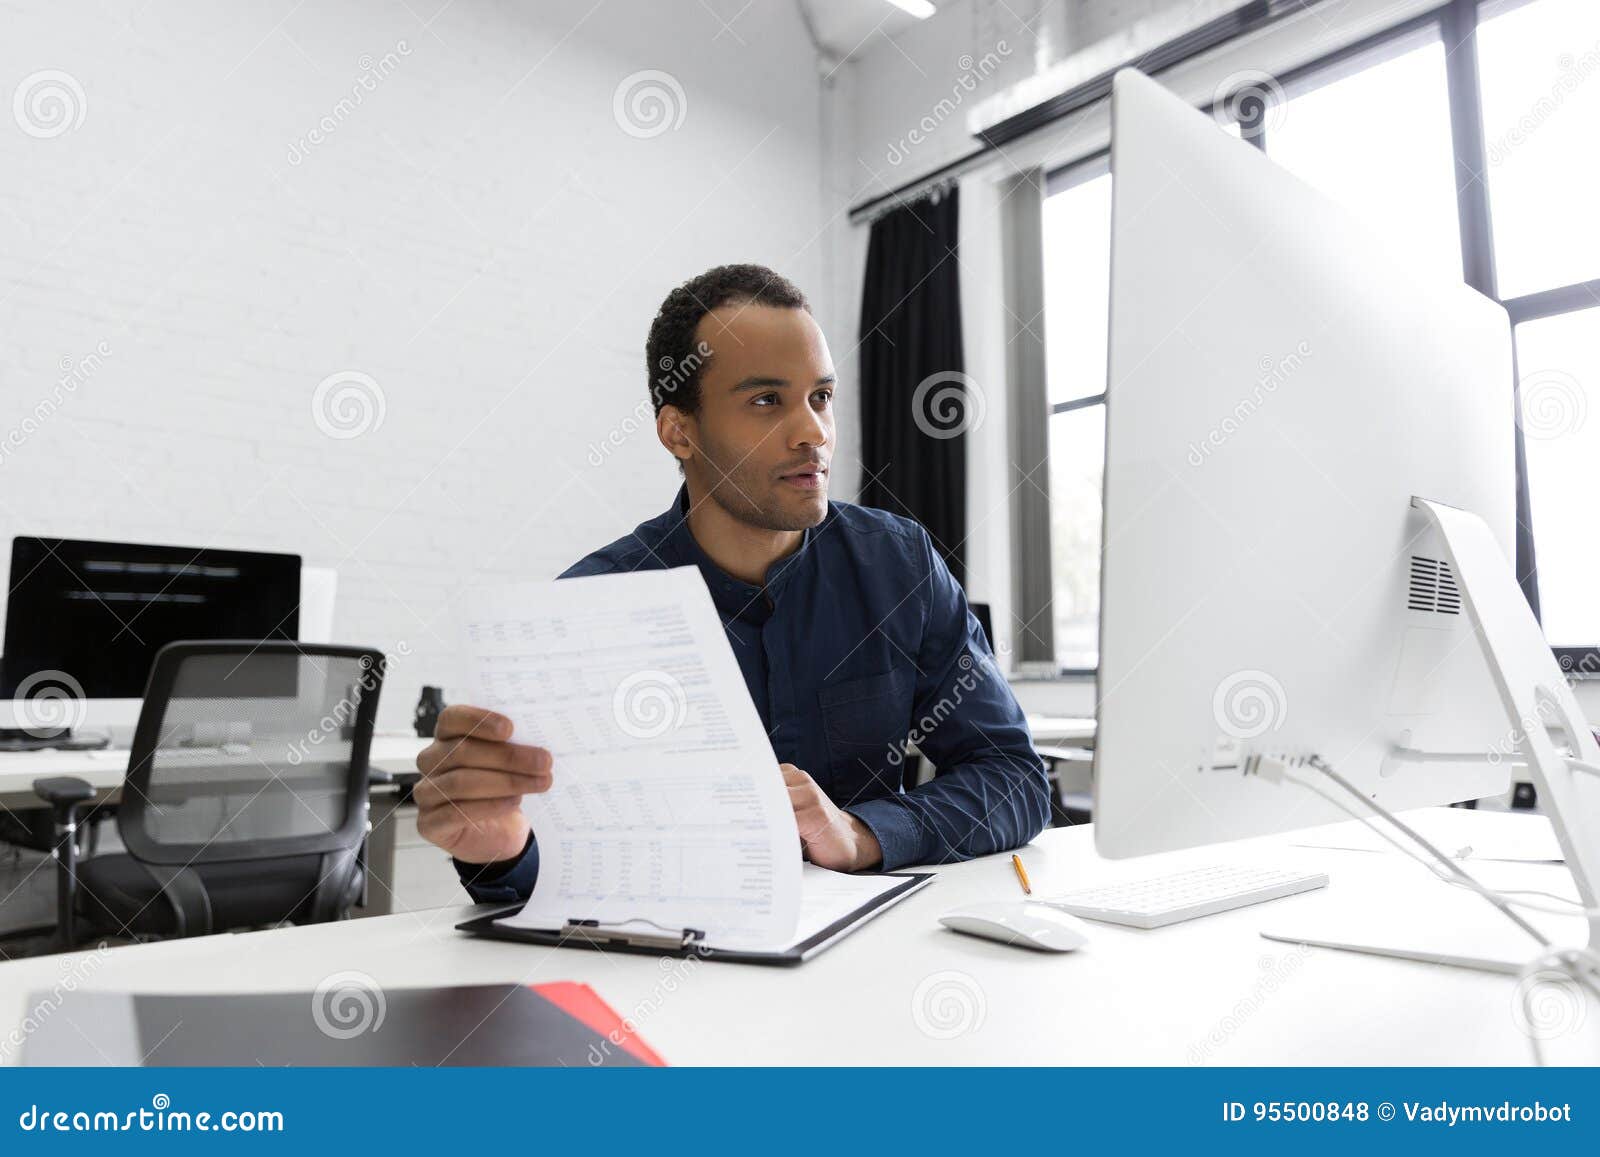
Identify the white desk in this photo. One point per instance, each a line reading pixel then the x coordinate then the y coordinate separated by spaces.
pixel 1054 729
pixel 902 990
pixel 105 770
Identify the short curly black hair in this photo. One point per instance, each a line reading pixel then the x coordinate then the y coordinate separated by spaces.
pixel 673 360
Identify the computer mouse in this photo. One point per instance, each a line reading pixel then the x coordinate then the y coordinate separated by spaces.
pixel 1021 923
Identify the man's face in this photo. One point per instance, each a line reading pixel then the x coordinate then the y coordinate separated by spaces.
pixel 763 435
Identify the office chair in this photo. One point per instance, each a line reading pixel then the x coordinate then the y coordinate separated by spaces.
pixel 1071 784
pixel 246 797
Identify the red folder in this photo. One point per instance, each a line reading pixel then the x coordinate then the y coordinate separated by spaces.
pixel 583 1004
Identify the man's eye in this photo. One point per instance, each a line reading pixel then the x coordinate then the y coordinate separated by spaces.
pixel 765 400
pixel 823 396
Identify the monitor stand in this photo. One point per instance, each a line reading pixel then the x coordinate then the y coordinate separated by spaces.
pixel 1538 702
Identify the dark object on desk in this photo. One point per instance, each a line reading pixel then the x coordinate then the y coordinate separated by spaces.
pixel 690 943
pixel 19 739
pixel 429 707
pixel 351 1021
pixel 980 611
pixel 220 835
pixel 70 602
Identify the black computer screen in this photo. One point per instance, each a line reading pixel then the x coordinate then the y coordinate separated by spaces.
pixel 99 611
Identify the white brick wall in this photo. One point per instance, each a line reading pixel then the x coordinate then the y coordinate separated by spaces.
pixel 477 234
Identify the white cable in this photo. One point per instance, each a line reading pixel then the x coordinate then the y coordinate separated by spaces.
pixel 1450 865
pixel 1581 965
pixel 1458 878
pixel 1571 907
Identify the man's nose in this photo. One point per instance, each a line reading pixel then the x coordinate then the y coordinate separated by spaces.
pixel 808 429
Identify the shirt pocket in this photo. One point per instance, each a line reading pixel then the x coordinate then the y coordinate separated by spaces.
pixel 866 722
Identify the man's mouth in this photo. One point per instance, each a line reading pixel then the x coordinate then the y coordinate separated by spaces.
pixel 811 477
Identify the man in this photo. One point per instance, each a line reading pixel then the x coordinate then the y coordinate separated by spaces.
pixel 849 630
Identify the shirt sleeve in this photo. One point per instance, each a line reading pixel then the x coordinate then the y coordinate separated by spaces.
pixel 990 792
pixel 504 882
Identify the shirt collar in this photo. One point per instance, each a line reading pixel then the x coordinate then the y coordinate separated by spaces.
pixel 733 597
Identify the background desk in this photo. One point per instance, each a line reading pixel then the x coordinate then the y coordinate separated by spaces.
pixel 393 757
pixel 1061 729
pixel 902 990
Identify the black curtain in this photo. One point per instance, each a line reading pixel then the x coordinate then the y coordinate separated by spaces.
pixel 916 404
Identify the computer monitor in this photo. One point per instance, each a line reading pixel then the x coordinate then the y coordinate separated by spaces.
pixel 85 619
pixel 1280 385
pixel 1309 514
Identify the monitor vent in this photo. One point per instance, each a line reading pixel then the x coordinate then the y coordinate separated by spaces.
pixel 1433 587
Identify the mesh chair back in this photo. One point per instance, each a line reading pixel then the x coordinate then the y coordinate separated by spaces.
pixel 251 750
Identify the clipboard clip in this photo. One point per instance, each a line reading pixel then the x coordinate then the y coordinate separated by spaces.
pixel 669 940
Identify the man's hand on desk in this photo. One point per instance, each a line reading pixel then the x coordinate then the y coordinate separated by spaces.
pixel 469 800
pixel 832 838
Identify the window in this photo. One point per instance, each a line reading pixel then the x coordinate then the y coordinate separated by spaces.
pixel 1376 129
pixel 1077 292
pixel 1538 64
pixel 1558 360
pixel 1374 134
pixel 1541 124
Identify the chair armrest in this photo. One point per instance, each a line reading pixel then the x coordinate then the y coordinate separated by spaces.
pixel 62 790
pixel 65 794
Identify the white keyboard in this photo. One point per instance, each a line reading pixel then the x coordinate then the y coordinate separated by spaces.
pixel 1170 899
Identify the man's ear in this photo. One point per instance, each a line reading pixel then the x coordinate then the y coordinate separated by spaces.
pixel 677 432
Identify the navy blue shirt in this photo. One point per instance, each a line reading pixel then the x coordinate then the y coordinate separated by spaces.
pixel 859 641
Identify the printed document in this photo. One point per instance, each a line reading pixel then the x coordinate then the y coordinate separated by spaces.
pixel 668 810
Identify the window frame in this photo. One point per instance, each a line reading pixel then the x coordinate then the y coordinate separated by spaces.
pixel 1454 23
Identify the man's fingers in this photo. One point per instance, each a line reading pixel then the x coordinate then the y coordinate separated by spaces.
pixel 462 719
pixel 518 758
pixel 474 814
pixel 475 783
pixel 805 796
pixel 792 775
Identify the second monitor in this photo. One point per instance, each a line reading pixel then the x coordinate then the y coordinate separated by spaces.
pixel 85 619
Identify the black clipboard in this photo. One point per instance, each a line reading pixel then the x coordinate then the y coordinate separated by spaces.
pixel 689 942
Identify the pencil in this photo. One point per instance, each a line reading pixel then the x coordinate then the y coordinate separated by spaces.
pixel 1022 875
